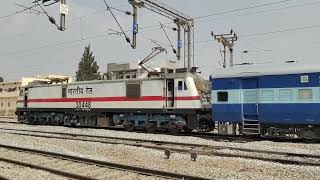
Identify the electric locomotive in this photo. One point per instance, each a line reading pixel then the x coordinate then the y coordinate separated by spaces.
pixel 171 102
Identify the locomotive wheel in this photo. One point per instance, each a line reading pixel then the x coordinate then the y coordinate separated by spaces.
pixel 129 127
pixel 205 125
pixel 187 130
pixel 172 128
pixel 151 127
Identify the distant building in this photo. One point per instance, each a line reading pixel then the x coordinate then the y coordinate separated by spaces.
pixel 124 71
pixel 9 91
pixel 132 70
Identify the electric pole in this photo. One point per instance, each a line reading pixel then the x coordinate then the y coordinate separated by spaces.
pixel 227 41
pixel 182 21
pixel 64 10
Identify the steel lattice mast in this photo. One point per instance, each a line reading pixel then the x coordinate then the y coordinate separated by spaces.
pixel 180 19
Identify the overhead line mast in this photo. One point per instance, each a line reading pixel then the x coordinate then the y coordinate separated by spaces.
pixel 227 40
pixel 180 19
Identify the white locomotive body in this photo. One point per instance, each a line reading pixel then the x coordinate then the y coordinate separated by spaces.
pixel 173 102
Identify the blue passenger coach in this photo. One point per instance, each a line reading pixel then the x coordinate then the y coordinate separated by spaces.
pixel 268 101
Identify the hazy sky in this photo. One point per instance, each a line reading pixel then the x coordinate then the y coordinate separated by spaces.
pixel 30 45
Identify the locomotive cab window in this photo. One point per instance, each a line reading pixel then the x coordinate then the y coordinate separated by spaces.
pixel 222 96
pixel 180 86
pixel 133 90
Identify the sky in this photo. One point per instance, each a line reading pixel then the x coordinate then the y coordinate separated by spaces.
pixel 273 34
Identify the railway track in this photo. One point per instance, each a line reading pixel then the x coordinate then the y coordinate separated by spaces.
pixel 177 147
pixel 77 167
pixel 204 135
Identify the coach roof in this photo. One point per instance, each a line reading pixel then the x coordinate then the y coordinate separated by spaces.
pixel 261 70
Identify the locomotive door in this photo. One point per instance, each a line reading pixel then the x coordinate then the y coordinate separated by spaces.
pixel 170 93
pixel 250 101
pixel 26 98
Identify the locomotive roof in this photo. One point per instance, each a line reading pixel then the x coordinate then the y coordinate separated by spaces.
pixel 168 76
pixel 262 70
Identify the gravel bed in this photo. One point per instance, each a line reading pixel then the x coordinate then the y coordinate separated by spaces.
pixel 258 145
pixel 213 167
pixel 11 171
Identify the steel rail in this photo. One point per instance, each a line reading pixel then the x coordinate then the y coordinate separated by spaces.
pixel 162 142
pixel 135 169
pixel 50 170
pixel 186 147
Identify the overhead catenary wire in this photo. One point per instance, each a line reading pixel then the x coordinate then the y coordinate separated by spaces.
pixel 18 12
pixel 51 19
pixel 31 10
pixel 196 42
pixel 280 31
pixel 242 9
pixel 126 37
pixel 164 31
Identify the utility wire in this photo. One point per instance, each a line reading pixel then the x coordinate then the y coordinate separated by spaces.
pixel 269 10
pixel 18 12
pixel 280 31
pixel 242 9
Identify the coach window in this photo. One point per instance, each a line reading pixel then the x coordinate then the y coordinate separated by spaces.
pixel 1 104
pixel 8 104
pixel 285 95
pixel 180 85
pixel 305 94
pixel 222 96
pixel 267 95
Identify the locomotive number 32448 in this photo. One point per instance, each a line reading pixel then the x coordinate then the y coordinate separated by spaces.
pixel 83 105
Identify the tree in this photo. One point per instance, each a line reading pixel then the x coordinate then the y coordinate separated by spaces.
pixel 1 79
pixel 88 67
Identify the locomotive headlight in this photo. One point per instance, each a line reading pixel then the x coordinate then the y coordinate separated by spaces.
pixel 172 117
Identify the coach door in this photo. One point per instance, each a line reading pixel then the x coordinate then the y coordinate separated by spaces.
pixel 250 98
pixel 170 93
pixel 250 106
